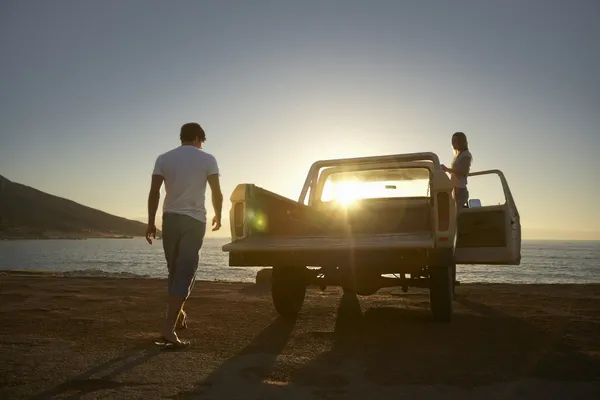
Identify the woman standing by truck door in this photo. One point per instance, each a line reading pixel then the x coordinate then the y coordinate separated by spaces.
pixel 460 168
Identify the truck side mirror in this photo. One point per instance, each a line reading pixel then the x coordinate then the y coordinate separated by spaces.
pixel 473 203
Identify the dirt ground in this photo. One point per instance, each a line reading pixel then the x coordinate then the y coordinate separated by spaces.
pixel 68 338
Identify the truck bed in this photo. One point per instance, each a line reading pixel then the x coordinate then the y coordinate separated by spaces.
pixel 419 240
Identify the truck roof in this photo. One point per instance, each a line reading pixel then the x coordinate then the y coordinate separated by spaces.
pixel 422 156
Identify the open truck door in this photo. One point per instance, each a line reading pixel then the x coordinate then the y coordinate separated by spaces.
pixel 489 234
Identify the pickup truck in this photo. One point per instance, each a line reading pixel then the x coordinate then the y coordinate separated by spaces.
pixel 368 223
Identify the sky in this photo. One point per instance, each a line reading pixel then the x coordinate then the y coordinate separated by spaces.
pixel 92 92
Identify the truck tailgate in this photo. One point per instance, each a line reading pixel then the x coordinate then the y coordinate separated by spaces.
pixel 423 240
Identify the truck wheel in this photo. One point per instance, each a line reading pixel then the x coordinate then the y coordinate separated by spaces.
pixel 288 288
pixel 441 292
pixel 453 279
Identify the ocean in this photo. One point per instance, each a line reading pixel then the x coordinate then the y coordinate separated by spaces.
pixel 542 262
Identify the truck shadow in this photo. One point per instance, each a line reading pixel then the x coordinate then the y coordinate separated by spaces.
pixel 543 351
pixel 389 346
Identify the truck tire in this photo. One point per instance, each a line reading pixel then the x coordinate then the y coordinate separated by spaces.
pixel 441 292
pixel 453 279
pixel 288 288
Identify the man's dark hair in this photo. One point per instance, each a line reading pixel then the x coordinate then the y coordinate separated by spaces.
pixel 191 131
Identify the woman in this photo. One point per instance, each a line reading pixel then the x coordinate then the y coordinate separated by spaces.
pixel 459 170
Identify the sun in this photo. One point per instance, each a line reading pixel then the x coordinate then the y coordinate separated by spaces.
pixel 346 193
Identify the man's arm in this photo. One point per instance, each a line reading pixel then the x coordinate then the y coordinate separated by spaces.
pixel 154 198
pixel 217 199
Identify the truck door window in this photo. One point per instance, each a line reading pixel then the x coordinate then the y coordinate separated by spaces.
pixel 487 189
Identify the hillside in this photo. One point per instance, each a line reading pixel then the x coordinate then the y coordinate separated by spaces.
pixel 26 212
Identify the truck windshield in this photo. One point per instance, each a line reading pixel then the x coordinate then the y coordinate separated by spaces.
pixel 348 186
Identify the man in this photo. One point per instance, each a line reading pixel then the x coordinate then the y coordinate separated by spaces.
pixel 185 171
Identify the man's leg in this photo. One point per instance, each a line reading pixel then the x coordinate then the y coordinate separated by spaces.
pixel 171 235
pixel 185 267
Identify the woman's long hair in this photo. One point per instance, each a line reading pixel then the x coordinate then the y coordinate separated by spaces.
pixel 463 143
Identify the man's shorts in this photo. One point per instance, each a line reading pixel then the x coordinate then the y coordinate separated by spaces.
pixel 182 238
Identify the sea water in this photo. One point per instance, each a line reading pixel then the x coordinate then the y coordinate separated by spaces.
pixel 542 262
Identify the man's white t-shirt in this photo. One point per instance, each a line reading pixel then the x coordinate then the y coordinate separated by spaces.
pixel 185 170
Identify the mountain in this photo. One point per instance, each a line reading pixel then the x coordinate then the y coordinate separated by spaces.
pixel 26 212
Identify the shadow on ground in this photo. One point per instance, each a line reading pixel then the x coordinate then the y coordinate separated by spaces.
pixel 101 377
pixel 256 290
pixel 392 346
pixel 484 346
pixel 253 363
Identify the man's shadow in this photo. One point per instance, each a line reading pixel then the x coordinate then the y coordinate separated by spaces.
pixel 251 365
pixel 245 373
pixel 101 377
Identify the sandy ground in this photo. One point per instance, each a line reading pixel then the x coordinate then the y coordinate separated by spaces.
pixel 68 338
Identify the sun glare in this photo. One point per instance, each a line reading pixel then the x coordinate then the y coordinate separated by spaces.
pixel 346 193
